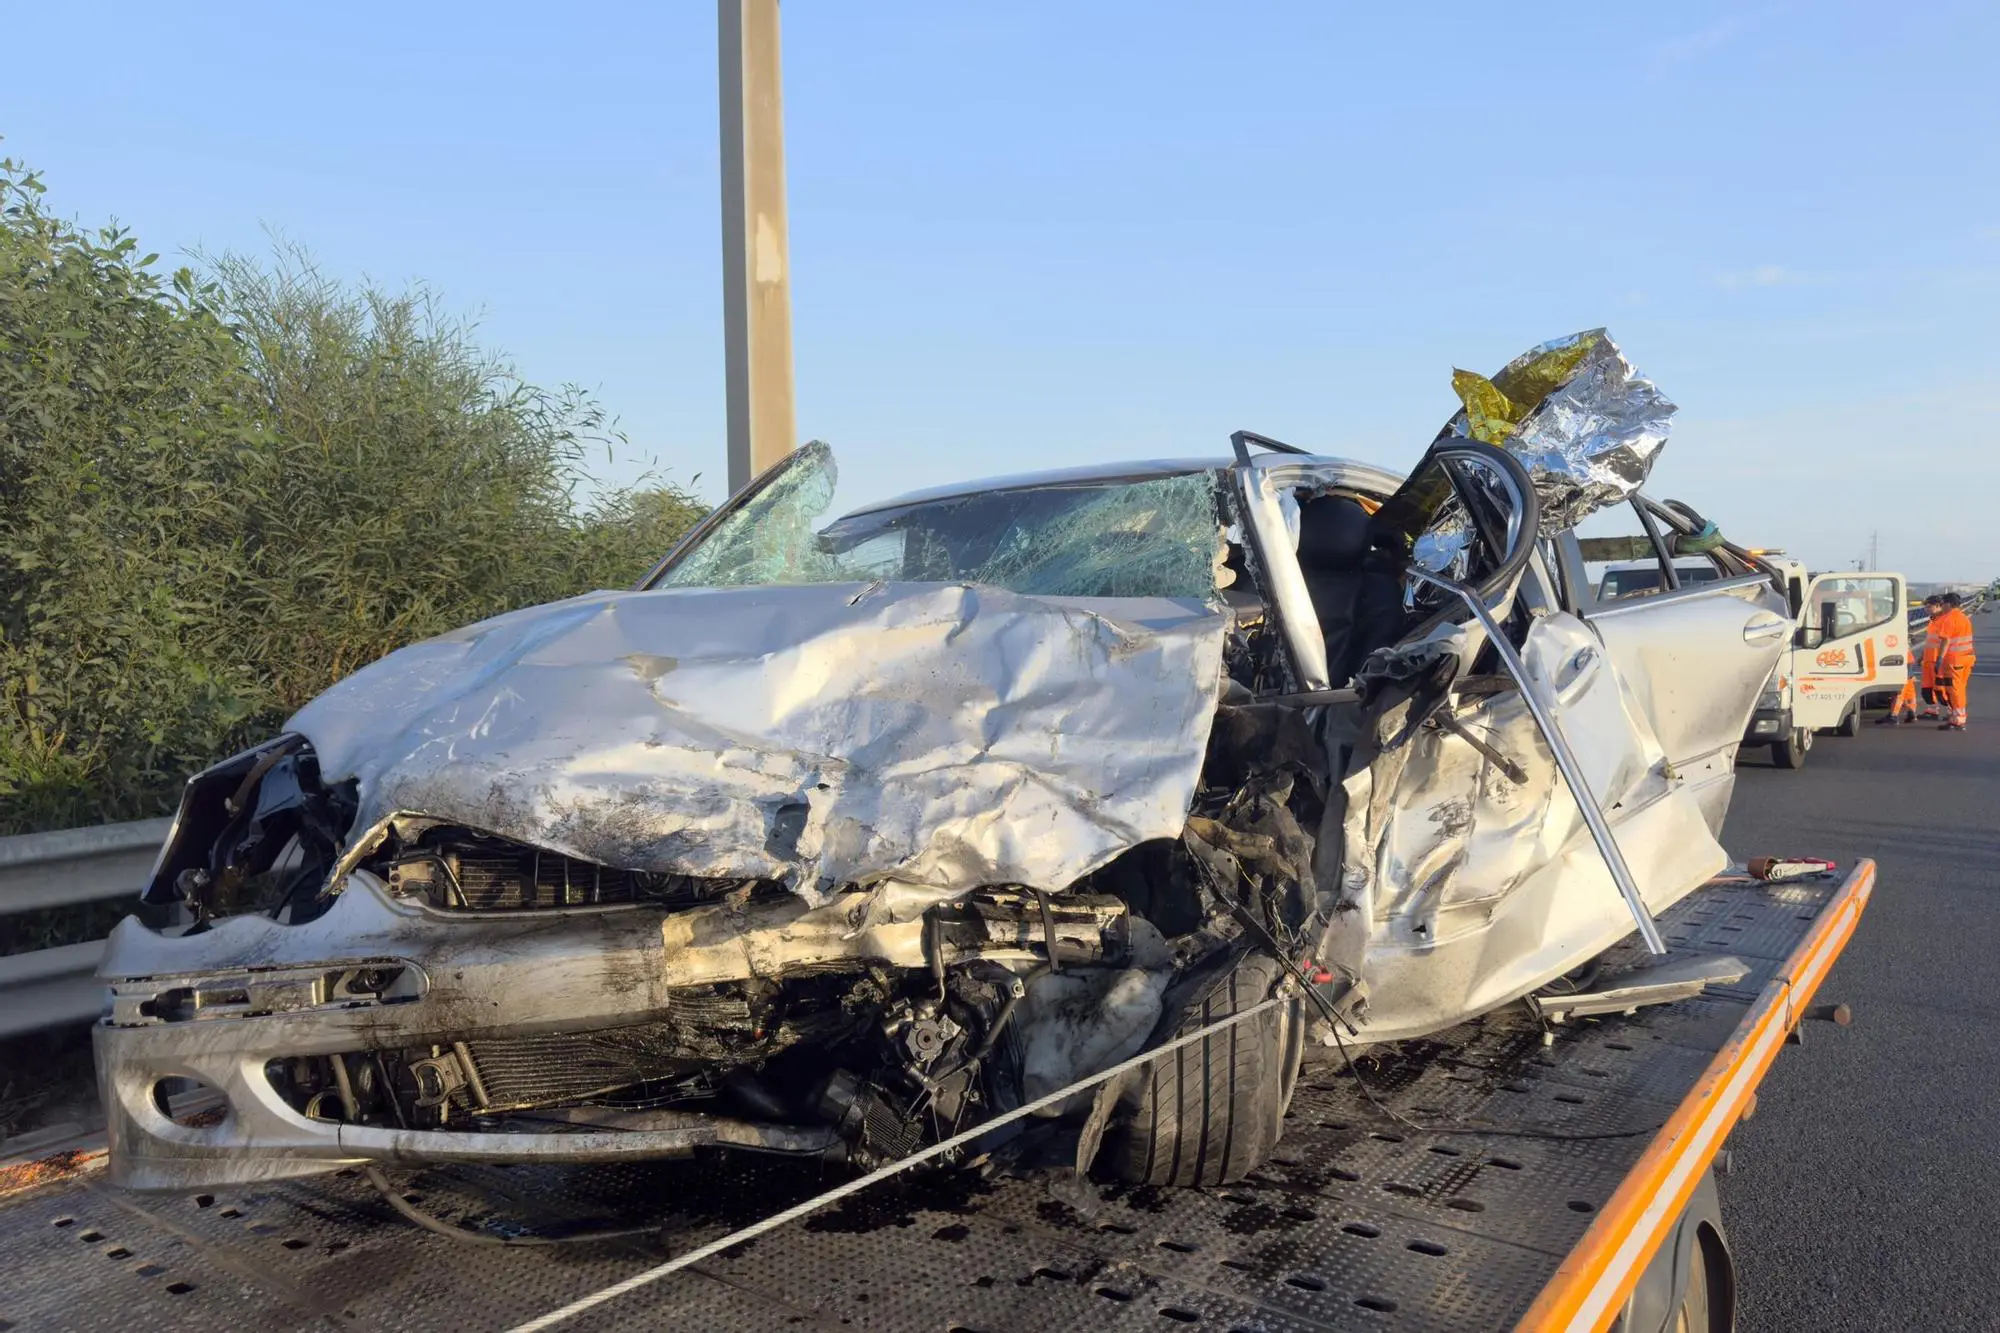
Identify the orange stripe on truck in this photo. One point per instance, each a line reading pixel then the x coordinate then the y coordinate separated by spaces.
pixel 1591 1287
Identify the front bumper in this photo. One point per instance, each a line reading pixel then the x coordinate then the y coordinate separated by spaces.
pixel 216 1007
pixel 381 973
pixel 1767 725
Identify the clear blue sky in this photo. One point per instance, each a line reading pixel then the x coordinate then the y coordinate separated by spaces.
pixel 1031 233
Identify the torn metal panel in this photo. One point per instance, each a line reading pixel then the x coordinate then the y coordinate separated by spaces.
pixel 1463 889
pixel 1660 983
pixel 945 736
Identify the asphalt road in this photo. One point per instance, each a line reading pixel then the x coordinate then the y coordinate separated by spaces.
pixel 1865 1193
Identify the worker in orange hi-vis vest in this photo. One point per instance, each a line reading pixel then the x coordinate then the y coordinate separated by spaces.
pixel 1952 632
pixel 1905 707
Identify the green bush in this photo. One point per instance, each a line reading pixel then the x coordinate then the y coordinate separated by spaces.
pixel 219 493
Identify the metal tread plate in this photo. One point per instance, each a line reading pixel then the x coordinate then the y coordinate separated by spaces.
pixel 1357 1221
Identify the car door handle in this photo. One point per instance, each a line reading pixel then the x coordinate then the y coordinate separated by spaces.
pixel 1573 675
pixel 1766 628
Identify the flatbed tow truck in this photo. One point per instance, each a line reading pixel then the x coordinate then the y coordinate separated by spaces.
pixel 1512 1173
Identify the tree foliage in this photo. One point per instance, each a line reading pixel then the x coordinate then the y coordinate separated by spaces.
pixel 221 492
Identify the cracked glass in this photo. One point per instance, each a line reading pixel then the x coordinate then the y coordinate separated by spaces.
pixel 1151 537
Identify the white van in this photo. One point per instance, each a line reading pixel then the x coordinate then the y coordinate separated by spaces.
pixel 1851 645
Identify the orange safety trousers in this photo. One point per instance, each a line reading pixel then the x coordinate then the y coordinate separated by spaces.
pixel 1929 691
pixel 1955 677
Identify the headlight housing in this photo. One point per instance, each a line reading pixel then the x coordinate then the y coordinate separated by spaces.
pixel 1773 696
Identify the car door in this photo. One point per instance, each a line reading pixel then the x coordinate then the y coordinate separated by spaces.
pixel 1696 655
pixel 1852 641
pixel 1466 872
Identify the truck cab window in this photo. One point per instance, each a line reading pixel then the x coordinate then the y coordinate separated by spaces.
pixel 1850 605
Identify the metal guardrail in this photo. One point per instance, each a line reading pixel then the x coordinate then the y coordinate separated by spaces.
pixel 66 868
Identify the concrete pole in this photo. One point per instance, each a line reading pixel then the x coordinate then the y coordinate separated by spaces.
pixel 756 295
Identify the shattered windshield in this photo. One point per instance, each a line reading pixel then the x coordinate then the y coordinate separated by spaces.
pixel 1158 537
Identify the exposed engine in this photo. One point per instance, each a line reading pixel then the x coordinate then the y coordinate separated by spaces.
pixel 880 1057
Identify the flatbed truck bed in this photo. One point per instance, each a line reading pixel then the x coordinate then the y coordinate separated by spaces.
pixel 1358 1221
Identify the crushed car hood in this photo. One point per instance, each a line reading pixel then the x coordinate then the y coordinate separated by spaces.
pixel 939 736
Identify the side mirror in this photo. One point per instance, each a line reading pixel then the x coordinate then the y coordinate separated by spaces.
pixel 1829 621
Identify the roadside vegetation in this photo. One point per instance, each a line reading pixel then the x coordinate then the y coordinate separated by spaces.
pixel 223 489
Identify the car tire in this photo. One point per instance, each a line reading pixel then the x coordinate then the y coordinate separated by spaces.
pixel 1791 752
pixel 1212 1111
pixel 1850 722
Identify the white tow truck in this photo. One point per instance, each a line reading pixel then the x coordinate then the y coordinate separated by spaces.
pixel 1851 646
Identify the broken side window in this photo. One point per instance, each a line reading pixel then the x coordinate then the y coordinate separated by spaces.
pixel 1621 557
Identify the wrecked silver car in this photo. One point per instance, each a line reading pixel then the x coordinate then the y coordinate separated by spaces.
pixel 841 840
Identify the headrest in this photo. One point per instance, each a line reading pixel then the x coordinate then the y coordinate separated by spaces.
pixel 1333 533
